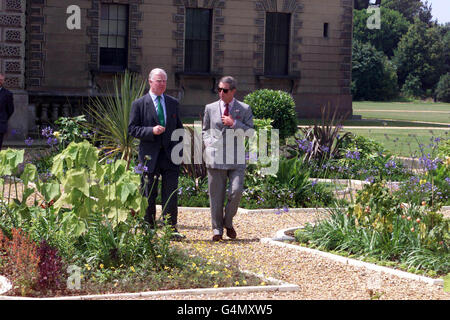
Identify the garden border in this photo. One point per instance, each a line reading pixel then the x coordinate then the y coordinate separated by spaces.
pixel 280 286
pixel 281 236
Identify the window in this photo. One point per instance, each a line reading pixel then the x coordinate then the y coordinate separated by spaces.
pixel 113 37
pixel 325 30
pixel 198 40
pixel 277 43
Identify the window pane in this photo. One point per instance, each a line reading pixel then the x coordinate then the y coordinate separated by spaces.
pixel 122 13
pixel 112 42
pixel 122 28
pixel 121 42
pixel 104 11
pixel 112 27
pixel 112 11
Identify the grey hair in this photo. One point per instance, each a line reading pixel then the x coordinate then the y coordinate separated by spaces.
pixel 157 71
pixel 230 80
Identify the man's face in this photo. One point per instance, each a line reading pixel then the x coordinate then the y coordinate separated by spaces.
pixel 225 93
pixel 158 84
pixel 2 80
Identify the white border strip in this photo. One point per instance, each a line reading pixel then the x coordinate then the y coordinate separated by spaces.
pixel 5 285
pixel 280 286
pixel 354 262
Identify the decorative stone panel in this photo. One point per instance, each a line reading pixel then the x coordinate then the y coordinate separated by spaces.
pixel 218 35
pixel 35 43
pixel 346 42
pixel 14 5
pixel 295 8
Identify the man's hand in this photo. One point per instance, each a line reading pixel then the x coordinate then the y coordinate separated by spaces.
pixel 158 130
pixel 227 120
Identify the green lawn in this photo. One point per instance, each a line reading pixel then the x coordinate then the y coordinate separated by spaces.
pixel 406 111
pixel 402 142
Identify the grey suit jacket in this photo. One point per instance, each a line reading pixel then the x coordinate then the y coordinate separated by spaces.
pixel 224 146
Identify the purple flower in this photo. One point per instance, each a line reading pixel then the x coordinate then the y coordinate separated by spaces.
pixel 140 168
pixel 29 141
pixel 390 164
pixel 285 209
pixel 52 141
pixel 47 132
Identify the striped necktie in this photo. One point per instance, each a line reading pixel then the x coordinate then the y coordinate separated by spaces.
pixel 160 112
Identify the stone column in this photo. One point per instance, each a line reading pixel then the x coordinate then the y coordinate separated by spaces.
pixel 12 63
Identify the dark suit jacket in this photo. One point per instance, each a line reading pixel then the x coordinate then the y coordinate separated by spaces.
pixel 143 118
pixel 6 108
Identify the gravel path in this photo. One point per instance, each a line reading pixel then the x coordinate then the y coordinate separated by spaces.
pixel 318 278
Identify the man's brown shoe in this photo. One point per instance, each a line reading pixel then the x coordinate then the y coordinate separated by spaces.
pixel 231 233
pixel 217 237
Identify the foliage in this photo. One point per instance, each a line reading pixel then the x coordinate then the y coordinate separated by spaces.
pixel 420 53
pixel 111 114
pixel 410 9
pixel 322 142
pixel 194 165
pixel 442 92
pixel 373 76
pixel 379 225
pixel 393 26
pixel 19 259
pixel 71 129
pixel 51 266
pixel 412 88
pixel 276 105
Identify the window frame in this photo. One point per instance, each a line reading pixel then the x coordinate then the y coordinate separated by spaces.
pixel 271 44
pixel 118 64
pixel 193 41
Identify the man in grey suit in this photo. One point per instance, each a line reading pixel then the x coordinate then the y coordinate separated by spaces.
pixel 153 119
pixel 225 124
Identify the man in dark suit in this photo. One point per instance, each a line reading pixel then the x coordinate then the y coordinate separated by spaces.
pixel 6 108
pixel 153 119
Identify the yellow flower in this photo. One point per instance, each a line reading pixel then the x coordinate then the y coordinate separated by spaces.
pixel 236 283
pixel 132 269
pixel 101 266
pixel 56 134
pixel 244 282
pixel 216 286
pixel 263 283
pixel 422 181
pixel 159 256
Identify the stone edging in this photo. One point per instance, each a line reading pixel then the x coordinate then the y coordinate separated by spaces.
pixel 279 285
pixel 5 285
pixel 281 236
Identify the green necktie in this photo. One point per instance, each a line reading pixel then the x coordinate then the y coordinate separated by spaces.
pixel 160 113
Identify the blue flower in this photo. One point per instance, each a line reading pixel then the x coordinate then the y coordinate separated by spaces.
pixel 29 141
pixel 140 168
pixel 47 132
pixel 52 141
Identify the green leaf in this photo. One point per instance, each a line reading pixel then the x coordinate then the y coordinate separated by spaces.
pixel 29 174
pixel 77 179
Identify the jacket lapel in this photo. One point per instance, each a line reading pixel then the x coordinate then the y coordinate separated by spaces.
pixel 150 109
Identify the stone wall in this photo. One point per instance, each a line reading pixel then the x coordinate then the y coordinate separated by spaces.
pixel 65 63
pixel 12 63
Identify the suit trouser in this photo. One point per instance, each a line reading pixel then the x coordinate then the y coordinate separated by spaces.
pixel 217 185
pixel 169 195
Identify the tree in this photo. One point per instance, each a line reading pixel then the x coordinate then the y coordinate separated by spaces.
pixel 421 52
pixel 443 88
pixel 393 26
pixel 374 77
pixel 410 9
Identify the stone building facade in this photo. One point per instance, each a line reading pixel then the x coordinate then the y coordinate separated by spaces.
pixel 299 46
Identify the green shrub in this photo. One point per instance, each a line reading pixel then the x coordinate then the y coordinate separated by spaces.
pixel 443 88
pixel 412 86
pixel 276 105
